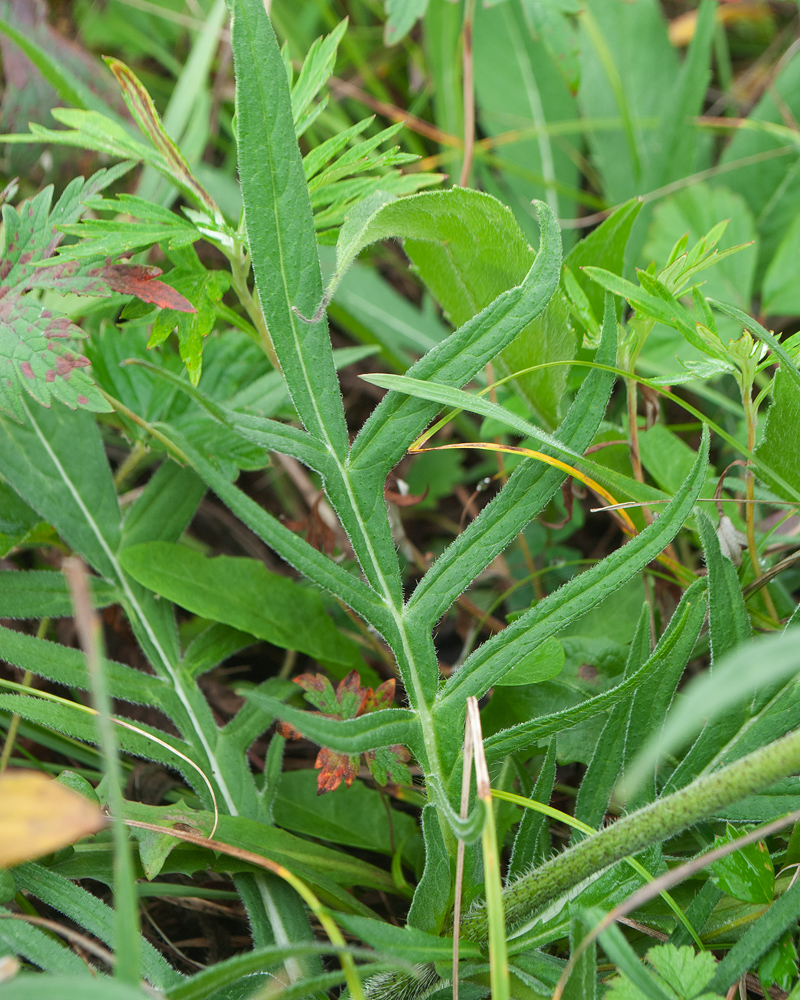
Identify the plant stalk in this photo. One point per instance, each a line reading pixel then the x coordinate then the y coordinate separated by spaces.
pixel 653 824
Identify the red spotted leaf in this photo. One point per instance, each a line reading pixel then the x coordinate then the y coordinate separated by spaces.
pixel 37 345
pixel 141 280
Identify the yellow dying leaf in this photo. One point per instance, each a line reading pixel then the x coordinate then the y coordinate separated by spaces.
pixel 38 815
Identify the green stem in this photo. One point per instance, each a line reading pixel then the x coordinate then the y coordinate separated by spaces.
pixel 653 824
pixel 240 270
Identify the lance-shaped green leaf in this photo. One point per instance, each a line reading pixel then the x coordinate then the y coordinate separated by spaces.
pixel 711 695
pixel 350 736
pixel 212 981
pixel 463 400
pixel 729 623
pixel 289 546
pixel 397 421
pixel 270 434
pixel 242 593
pixel 498 655
pixel 405 942
pixel 47 953
pixel 280 226
pixel 90 913
pixel 45 594
pixel 526 733
pixel 529 488
pixel 778 446
pixel 68 667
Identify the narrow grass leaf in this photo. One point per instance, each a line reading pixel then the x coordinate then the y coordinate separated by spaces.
pixel 44 594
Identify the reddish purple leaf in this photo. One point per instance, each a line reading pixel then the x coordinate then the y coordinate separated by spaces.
pixel 140 280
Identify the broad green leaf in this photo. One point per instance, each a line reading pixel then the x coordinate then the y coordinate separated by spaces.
pixel 45 594
pixel 778 447
pixel 400 18
pixel 757 940
pixel 353 816
pixel 747 874
pixel 779 292
pixel 529 488
pixel 91 914
pixel 779 966
pixel 78 499
pixel 496 657
pixel 280 227
pixel 520 89
pixel 396 422
pixel 709 696
pixel 434 892
pixel 524 734
pixel 242 593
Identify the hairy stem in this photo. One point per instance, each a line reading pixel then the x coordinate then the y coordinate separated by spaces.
pixel 653 824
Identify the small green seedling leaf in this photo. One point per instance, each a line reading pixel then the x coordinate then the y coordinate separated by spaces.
pixel 747 874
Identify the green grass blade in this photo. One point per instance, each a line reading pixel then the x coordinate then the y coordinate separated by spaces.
pixel 44 594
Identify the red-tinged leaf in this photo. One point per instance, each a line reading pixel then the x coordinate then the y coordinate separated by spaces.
pixel 141 280
pixel 335 768
pixel 351 696
pixel 389 764
pixel 319 692
pixel 36 356
pixel 381 697
pixel 141 106
pixel 288 732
